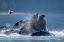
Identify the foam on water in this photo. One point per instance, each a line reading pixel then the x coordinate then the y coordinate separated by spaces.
pixel 11 35
pixel 58 33
pixel 25 38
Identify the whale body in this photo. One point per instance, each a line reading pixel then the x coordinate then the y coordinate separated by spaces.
pixel 36 27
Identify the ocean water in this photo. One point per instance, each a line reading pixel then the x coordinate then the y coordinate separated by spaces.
pixel 55 25
pixel 59 37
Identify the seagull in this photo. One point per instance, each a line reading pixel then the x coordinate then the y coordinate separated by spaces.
pixel 10 12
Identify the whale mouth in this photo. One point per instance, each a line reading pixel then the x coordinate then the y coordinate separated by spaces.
pixel 37 23
pixel 36 27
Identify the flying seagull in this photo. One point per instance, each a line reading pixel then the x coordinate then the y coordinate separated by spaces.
pixel 10 12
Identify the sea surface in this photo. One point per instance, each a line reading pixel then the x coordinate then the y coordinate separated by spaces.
pixel 55 25
pixel 58 36
pixel 32 39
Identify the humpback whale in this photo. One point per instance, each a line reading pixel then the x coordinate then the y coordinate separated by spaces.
pixel 36 27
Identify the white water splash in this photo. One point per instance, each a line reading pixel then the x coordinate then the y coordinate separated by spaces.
pixel 11 35
pixel 8 25
pixel 58 33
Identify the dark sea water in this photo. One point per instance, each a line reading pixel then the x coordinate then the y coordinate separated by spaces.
pixel 33 39
pixel 55 24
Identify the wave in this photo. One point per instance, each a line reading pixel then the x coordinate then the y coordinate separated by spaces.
pixel 56 33
pixel 10 35
pixel 17 37
pixel 59 35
